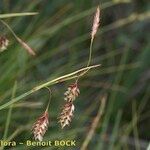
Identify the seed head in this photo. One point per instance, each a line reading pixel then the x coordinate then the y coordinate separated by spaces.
pixel 40 126
pixel 95 23
pixel 72 92
pixel 66 114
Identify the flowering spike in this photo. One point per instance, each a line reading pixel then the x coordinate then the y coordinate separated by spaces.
pixel 95 23
pixel 40 126
pixel 66 114
pixel 67 111
pixel 72 92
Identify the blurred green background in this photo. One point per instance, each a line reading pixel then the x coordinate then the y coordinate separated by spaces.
pixel 60 35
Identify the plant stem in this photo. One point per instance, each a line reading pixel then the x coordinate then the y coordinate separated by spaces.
pixel 14 34
pixel 95 123
pixel 9 113
pixel 50 95
pixel 17 14
pixel 23 44
pixel 88 63
pixel 90 54
pixel 51 82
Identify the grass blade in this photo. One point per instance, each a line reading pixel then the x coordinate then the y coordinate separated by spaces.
pixel 2 16
pixel 9 113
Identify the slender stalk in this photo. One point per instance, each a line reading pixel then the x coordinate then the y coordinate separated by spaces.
pixel 115 131
pixel 95 123
pixel 135 126
pixel 15 133
pixel 90 54
pixel 50 95
pixel 89 61
pixel 14 34
pixel 24 45
pixel 95 26
pixel 51 82
pixel 9 113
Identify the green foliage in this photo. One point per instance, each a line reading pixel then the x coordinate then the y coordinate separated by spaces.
pixel 60 35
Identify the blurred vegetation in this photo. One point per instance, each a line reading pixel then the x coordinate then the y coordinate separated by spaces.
pixel 60 35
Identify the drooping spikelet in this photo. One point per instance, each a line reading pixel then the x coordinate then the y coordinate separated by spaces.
pixel 40 126
pixel 66 114
pixel 67 111
pixel 26 47
pixel 3 43
pixel 72 92
pixel 95 23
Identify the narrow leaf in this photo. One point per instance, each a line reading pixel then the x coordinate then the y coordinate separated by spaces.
pixel 17 14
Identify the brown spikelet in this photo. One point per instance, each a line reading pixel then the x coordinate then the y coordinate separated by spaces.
pixel 3 43
pixel 40 126
pixel 66 114
pixel 72 92
pixel 96 22
pixel 26 46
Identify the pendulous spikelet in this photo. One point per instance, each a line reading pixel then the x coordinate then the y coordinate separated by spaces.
pixel 72 92
pixel 66 114
pixel 68 109
pixel 40 126
pixel 96 22
pixel 3 43
pixel 26 47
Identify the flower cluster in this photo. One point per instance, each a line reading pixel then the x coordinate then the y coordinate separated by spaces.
pixel 66 114
pixel 40 126
pixel 72 92
pixel 96 22
pixel 67 111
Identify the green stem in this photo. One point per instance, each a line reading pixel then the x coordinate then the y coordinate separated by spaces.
pixel 9 113
pixel 50 95
pixel 90 54
pixel 51 82
pixel 89 61
pixel 17 14
pixel 14 34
